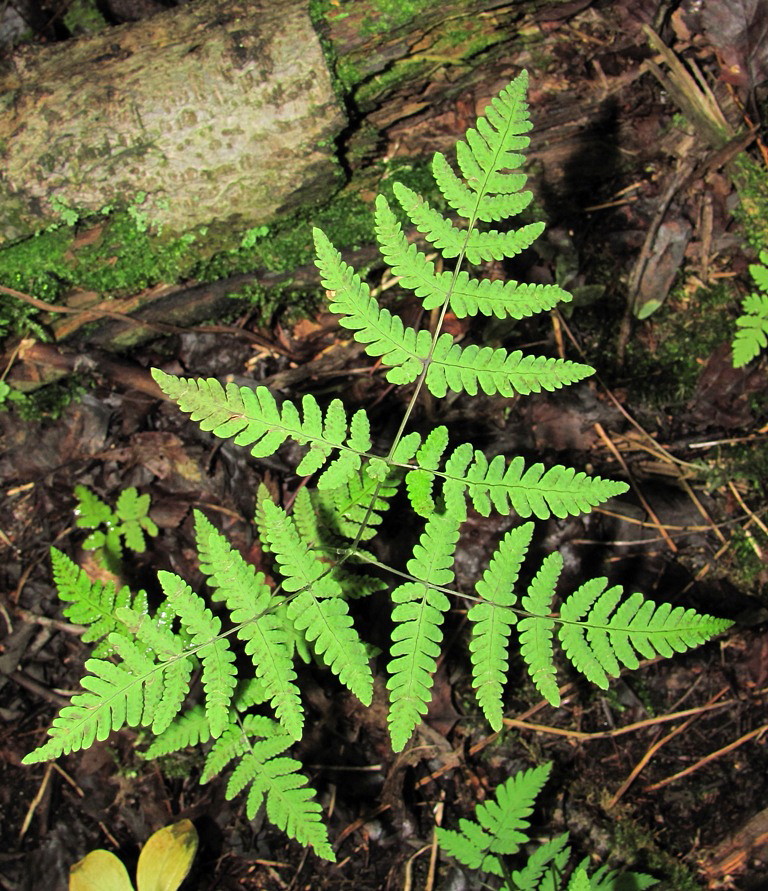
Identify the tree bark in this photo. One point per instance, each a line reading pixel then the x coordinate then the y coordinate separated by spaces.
pixel 224 114
pixel 213 114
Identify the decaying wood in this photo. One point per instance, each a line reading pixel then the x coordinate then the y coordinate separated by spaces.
pixel 219 113
pixel 223 115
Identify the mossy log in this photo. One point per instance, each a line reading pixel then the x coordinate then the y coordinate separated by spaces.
pixel 223 115
pixel 213 114
pixel 202 123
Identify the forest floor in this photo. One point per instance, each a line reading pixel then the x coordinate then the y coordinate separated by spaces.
pixel 666 772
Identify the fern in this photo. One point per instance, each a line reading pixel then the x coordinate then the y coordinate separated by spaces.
pixel 92 603
pixel 323 557
pixel 129 522
pixel 501 829
pixel 418 616
pixel 752 333
pixel 247 597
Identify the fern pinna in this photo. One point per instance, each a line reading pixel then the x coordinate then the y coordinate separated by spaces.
pixel 752 325
pixel 323 552
pixel 501 830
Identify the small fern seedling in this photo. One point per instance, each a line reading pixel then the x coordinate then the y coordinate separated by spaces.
pixel 752 334
pixel 324 551
pixel 501 831
pixel 127 524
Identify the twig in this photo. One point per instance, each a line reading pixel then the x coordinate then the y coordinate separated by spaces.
pixel 753 517
pixel 707 759
pixel 23 680
pixel 36 801
pixel 639 767
pixel 584 736
pixel 651 513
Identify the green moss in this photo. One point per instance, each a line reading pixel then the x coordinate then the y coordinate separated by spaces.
pixel 45 402
pixel 752 212
pixel 387 15
pixel 634 843
pixel 128 255
pixel 667 354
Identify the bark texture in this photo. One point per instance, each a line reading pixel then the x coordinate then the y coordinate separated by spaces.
pixel 219 113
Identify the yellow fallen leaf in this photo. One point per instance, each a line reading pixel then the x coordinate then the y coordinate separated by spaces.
pixel 167 857
pixel 99 871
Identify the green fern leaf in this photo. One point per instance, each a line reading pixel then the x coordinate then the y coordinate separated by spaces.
pixel 473 368
pixel 467 296
pixel 419 482
pixel 492 621
pixel 113 697
pixel 232 744
pixel 752 334
pixel 92 603
pixel 188 729
pixel 291 804
pixel 478 247
pixel 248 599
pixel 544 867
pixel 581 651
pixel 418 617
pixel 536 630
pixel 502 824
pixel 361 500
pixel 155 634
pixel 596 641
pixel 219 672
pixel 479 205
pixel 254 419
pixel 91 512
pixel 384 334
pixel 495 144
pixel 605 879
pixel 508 299
pixel 318 611
pixel 530 491
pixel 133 511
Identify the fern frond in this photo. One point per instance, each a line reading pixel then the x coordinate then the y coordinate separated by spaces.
pixel 606 879
pixel 478 247
pixel 473 368
pixel 253 418
pixel 495 144
pixel 114 696
pixel 384 334
pixel 418 617
pixel 492 621
pixel 219 672
pixel 596 639
pixel 480 205
pixel 545 866
pixel 188 729
pixel 248 599
pixel 419 482
pixel 536 630
pixel 467 296
pixel 92 603
pixel 752 333
pixel 290 803
pixel 503 299
pixel 530 491
pixel 502 824
pixel 318 611
pixel 362 499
